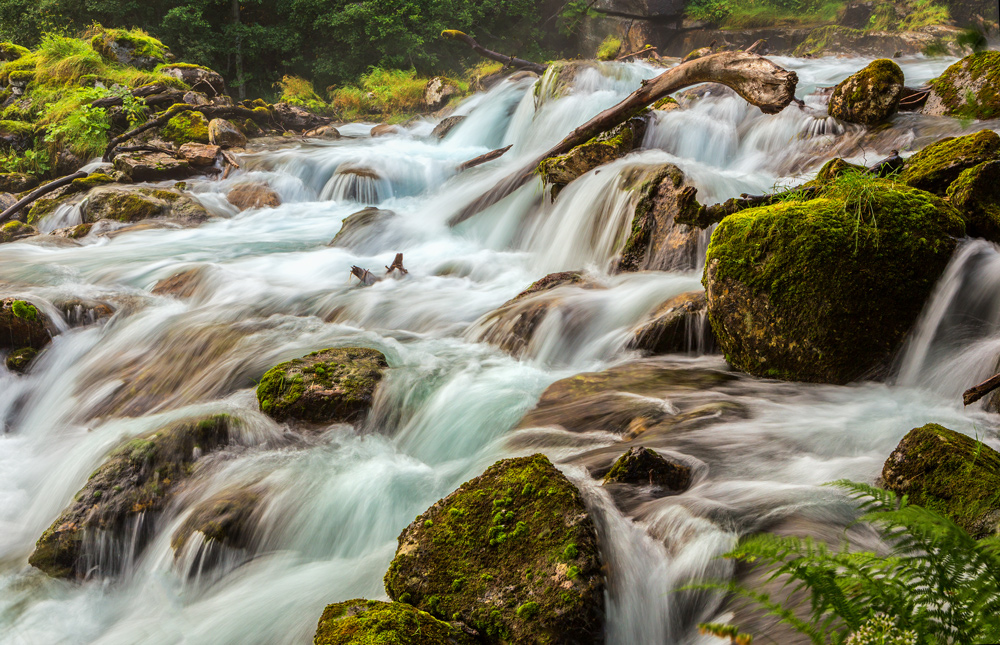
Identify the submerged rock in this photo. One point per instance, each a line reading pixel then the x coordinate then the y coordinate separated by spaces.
pixel 180 285
pixel 645 467
pixel 825 289
pixel 137 480
pixel 970 88
pixel 602 149
pixel 228 518
pixel 948 472
pixel 328 386
pixel 365 622
pixel 870 96
pixel 678 326
pixel 445 126
pixel 18 360
pixel 512 554
pixel 359 227
pixel 22 325
pixel 128 204
pixel 254 194
pixel 935 167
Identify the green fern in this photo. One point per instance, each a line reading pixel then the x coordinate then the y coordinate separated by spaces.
pixel 937 585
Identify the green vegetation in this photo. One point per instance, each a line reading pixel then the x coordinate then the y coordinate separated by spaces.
pixel 372 622
pixel 609 48
pixel 394 94
pixel 971 87
pixel 938 584
pixel 739 14
pixel 24 310
pixel 297 91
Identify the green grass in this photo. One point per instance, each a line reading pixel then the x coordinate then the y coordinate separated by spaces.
pixel 390 94
pixel 298 91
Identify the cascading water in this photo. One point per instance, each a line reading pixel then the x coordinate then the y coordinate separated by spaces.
pixel 269 288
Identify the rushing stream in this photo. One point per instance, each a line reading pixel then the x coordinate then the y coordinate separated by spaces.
pixel 271 289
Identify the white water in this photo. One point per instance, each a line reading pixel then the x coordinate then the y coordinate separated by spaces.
pixel 272 290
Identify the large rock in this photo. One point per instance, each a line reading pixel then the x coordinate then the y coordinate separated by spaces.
pixel 199 154
pixel 187 126
pixel 253 194
pixel 970 88
pixel 976 194
pixel 227 518
pixel 656 242
pixel 935 167
pixel 645 467
pixel 22 325
pixel 17 182
pixel 329 386
pixel 200 79
pixel 152 166
pixel 948 472
pixel 870 96
pixel 15 230
pixel 365 622
pixel 648 9
pixel 438 91
pixel 128 204
pixel 614 144
pixel 126 491
pixel 360 227
pixel 512 554
pixel 292 117
pixel 130 48
pixel 445 126
pixel 18 360
pixel 678 326
pixel 825 289
pixel 224 134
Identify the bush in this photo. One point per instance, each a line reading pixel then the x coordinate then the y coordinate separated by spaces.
pixel 297 91
pixel 381 93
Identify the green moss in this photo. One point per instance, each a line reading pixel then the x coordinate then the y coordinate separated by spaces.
pixel 10 51
pixel 870 96
pixel 23 309
pixel 516 531
pixel 825 289
pixel 91 181
pixel 16 129
pixel 17 361
pixel 186 127
pixel 15 230
pixel 604 148
pixel 372 622
pixel 666 103
pixel 822 38
pixel 609 48
pixel 935 167
pixel 137 43
pixel 971 87
pixel 949 472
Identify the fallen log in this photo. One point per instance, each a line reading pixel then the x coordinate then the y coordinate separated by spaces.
pixel 509 61
pixel 481 159
pixel 758 80
pixel 648 50
pixel 973 394
pixel 40 192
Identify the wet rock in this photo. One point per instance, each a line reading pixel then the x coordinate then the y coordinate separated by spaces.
pixel 360 622
pixel 73 232
pixel 666 104
pixel 839 40
pixel 46 205
pixel 292 117
pixel 17 182
pixel 329 386
pixel 199 79
pixel 358 227
pixel 327 132
pixel 6 201
pixel 948 472
pixel 253 195
pixel 185 127
pixel 22 325
pixel 445 126
pixel 224 134
pixel 645 467
pixel 656 241
pixel 825 289
pixel 976 194
pixel 180 285
pixel 227 518
pixel 13 231
pixel 199 154
pixel 80 312
pixel 935 167
pixel 512 554
pixel 125 492
pixel 152 166
pixel 605 148
pixel 969 89
pixel 384 129
pixel 559 78
pixel 513 325
pixel 870 96
pixel 196 98
pixel 678 326
pixel 438 91
pixel 128 204
pixel 18 360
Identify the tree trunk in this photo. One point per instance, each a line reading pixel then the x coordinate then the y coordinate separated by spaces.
pixel 973 394
pixel 239 50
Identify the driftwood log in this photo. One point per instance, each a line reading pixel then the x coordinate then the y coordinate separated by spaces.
pixel 40 192
pixel 481 159
pixel 397 265
pixel 509 61
pixel 973 394
pixel 762 83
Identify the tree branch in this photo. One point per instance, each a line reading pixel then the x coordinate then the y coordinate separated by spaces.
pixel 40 192
pixel 973 394
pixel 510 61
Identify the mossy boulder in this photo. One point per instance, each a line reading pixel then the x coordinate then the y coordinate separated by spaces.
pixel 969 89
pixel 17 182
pixel 22 325
pixel 976 194
pixel 825 289
pixel 948 472
pixel 678 326
pixel 328 386
pixel 16 135
pixel 227 518
pixel 370 622
pixel 130 488
pixel 198 78
pixel 646 467
pixel 224 134
pixel 870 96
pixel 44 206
pixel 132 48
pixel 185 127
pixel 611 145
pixel 18 361
pixel 935 167
pixel 512 554
pixel 10 51
pixel 152 166
pixel 13 231
pixel 128 204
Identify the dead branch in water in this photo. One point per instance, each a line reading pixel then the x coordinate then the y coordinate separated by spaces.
pixel 40 192
pixel 973 394
pixel 481 159
pixel 509 61
pixel 397 264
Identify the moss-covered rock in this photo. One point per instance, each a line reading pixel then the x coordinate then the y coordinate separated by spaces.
pixel 134 484
pixel 227 518
pixel 678 326
pixel 198 78
pixel 16 135
pixel 17 182
pixel 18 360
pixel 870 96
pixel 976 195
pixel 970 88
pixel 130 47
pixel 614 144
pixel 10 51
pixel 646 467
pixel 371 622
pixel 328 386
pixel 224 134
pixel 44 206
pixel 13 231
pixel 825 289
pixel 948 472
pixel 151 166
pixel 511 553
pixel 186 127
pixel 22 325
pixel 935 167
pixel 129 204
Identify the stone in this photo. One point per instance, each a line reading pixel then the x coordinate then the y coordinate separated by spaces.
pixel 22 325
pixel 17 182
pixel 646 9
pixel 678 326
pixel 293 117
pixel 976 194
pixel 132 486
pixel 253 195
pixel 327 132
pixel 129 48
pixel 938 165
pixel 180 285
pixel 826 289
pixel 187 126
pixel 227 518
pixel 199 79
pixel 384 129
pixel 445 126
pixel 438 91
pixel 614 144
pixel 152 166
pixel 364 622
pixel 13 231
pixel 16 135
pixel 328 386
pixel 358 227
pixel 512 554
pixel 129 204
pixel 968 89
pixel 868 97
pixel 226 135
pixel 646 467
pixel 18 360
pixel 80 312
pixel 196 98
pixel 950 473
pixel 199 154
